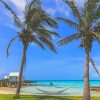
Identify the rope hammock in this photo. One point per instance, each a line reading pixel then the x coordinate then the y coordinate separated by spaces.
pixel 52 92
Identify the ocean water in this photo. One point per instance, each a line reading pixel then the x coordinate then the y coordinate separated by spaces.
pixel 74 87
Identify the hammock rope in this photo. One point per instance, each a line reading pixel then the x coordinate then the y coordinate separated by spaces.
pixel 52 92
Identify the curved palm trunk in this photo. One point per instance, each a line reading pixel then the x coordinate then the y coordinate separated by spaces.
pixel 21 70
pixel 86 93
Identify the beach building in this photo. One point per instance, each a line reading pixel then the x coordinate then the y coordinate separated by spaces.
pixel 13 76
pixel 11 80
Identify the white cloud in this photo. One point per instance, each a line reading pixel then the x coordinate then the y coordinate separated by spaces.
pixel 61 7
pixel 20 4
pixel 58 7
pixel 50 11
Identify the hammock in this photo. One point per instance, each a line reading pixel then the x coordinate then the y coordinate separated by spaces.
pixel 52 92
pixel 55 92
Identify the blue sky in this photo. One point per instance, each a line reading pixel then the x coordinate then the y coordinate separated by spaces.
pixel 68 64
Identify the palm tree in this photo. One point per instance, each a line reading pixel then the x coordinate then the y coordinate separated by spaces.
pixel 88 28
pixel 33 29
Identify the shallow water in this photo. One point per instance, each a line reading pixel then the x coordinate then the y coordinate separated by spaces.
pixel 73 87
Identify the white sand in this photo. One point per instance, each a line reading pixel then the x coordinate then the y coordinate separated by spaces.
pixel 4 90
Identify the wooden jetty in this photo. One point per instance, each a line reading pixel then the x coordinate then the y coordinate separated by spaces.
pixel 7 83
pixel 95 88
pixel 11 80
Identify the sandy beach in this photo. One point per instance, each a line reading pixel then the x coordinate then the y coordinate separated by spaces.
pixel 7 90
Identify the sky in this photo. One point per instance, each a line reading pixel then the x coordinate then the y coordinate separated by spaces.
pixel 67 64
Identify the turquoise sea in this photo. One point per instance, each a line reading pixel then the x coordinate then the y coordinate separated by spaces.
pixel 74 87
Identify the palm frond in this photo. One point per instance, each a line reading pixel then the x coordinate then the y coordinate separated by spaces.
pixel 75 11
pixel 49 32
pixel 95 15
pixel 70 39
pixel 96 28
pixel 17 23
pixel 30 9
pixel 47 42
pixel 69 22
pixel 94 66
pixel 36 41
pixel 10 43
pixel 91 4
pixel 49 22
pixel 30 6
pixel 41 32
pixel 35 15
pixel 12 12
pixel 92 11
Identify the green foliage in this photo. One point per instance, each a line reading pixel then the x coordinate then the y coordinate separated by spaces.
pixel 34 27
pixel 87 24
pixel 70 38
pixel 11 41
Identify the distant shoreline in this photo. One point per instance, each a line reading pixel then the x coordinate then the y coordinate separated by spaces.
pixel 62 80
